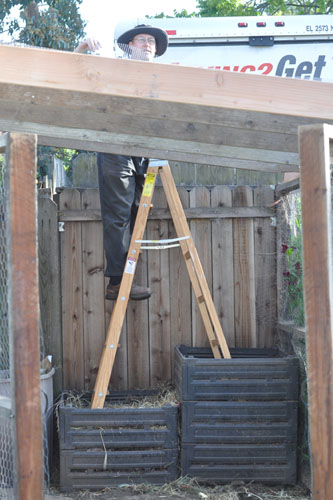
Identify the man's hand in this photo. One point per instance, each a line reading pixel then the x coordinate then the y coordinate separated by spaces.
pixel 89 44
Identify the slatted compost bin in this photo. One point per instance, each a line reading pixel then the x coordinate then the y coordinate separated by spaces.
pixel 117 444
pixel 239 415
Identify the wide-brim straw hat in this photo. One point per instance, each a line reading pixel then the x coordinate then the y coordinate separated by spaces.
pixel 160 36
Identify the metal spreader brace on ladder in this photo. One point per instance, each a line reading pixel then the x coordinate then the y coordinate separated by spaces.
pixel 184 240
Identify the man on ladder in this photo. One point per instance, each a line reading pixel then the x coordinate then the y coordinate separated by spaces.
pixel 121 178
pixel 125 203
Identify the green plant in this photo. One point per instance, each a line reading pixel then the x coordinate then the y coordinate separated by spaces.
pixel 293 274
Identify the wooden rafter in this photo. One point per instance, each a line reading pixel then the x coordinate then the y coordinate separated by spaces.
pixel 157 110
pixel 318 284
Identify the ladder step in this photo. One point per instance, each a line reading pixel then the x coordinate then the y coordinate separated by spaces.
pixel 170 240
pixel 160 247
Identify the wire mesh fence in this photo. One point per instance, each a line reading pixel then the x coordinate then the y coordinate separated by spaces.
pixel 7 463
pixel 292 306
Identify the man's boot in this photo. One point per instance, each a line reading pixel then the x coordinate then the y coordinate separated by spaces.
pixel 137 292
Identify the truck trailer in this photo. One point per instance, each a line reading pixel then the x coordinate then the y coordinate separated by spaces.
pixel 285 46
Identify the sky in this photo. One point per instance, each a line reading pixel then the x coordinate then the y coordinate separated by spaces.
pixel 103 15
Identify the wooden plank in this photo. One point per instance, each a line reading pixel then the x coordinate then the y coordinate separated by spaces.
pixel 211 175
pixel 119 375
pixel 164 213
pixel 222 262
pixel 245 317
pixel 78 72
pixel 286 187
pixel 180 291
pixel 92 289
pixel 49 285
pixel 79 110
pixel 262 160
pixel 253 177
pixel 91 107
pixel 24 315
pixel 265 269
pixel 110 114
pixel 71 293
pixel 201 233
pixel 318 283
pixel 159 303
pixel 138 332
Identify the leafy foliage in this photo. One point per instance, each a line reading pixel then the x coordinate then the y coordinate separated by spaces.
pixel 291 7
pixel 53 24
pixel 176 13
pixel 220 8
pixel 293 273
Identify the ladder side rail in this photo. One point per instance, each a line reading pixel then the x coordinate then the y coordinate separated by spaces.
pixel 182 228
pixel 119 310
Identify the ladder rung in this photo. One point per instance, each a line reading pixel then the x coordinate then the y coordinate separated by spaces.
pixel 160 247
pixel 170 240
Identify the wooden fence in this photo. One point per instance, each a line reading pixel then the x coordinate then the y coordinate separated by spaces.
pixel 234 232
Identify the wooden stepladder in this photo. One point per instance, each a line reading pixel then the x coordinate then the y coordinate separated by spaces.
pixel 193 264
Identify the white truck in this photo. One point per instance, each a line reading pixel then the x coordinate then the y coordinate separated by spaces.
pixel 286 46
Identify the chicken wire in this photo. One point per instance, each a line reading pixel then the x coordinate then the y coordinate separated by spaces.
pixel 7 463
pixel 290 254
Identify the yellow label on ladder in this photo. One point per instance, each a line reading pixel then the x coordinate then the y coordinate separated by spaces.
pixel 149 185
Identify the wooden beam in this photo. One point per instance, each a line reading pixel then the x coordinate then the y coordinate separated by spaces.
pixel 164 213
pixel 24 314
pixel 170 112
pixel 286 187
pixel 318 284
pixel 151 128
pixel 164 82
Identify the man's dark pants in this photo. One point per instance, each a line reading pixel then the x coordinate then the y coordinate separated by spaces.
pixel 121 180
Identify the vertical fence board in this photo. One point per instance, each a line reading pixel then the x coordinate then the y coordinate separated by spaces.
pixel 245 320
pixel 201 233
pixel 223 269
pixel 49 285
pixel 265 269
pixel 180 290
pixel 72 310
pixel 119 375
pixel 138 332
pixel 237 259
pixel 92 289
pixel 159 303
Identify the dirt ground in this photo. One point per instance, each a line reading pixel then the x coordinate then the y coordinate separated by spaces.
pixel 181 489
pixel 184 489
pixel 187 490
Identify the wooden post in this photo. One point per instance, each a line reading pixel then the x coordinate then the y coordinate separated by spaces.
pixel 318 281
pixel 23 314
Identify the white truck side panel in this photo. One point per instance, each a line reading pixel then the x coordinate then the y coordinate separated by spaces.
pixel 310 61
pixel 302 46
